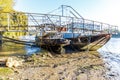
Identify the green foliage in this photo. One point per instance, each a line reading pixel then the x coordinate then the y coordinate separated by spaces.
pixel 9 17
pixel 6 5
pixel 17 21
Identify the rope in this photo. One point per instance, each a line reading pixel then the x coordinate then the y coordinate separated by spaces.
pixel 7 39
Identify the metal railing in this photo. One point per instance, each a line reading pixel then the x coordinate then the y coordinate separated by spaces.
pixel 34 22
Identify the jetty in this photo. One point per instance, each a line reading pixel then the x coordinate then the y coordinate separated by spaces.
pixel 67 29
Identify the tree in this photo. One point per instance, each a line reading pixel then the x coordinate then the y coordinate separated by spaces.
pixel 6 5
pixel 17 20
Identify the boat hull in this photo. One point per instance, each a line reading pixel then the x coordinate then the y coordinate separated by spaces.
pixel 88 42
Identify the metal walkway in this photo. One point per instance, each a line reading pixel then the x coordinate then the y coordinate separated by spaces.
pixel 36 23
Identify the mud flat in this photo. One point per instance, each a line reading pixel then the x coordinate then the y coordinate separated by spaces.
pixel 46 66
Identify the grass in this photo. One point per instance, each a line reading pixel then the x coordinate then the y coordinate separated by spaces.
pixel 4 71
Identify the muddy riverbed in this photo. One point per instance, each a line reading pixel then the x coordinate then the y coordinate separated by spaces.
pixel 46 66
pixel 42 65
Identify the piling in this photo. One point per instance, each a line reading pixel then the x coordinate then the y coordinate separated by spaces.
pixel 0 39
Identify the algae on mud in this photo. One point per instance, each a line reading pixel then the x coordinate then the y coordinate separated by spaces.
pixel 5 71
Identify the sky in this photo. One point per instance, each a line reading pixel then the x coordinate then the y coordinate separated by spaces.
pixel 107 11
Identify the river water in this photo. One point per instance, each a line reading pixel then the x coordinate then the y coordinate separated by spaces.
pixel 12 49
pixel 110 53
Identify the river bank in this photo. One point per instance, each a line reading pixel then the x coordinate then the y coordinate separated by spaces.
pixel 46 66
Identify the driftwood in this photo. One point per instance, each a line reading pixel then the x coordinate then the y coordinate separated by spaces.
pixel 10 62
pixel 3 62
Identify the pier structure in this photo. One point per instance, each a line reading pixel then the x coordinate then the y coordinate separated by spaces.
pixel 49 24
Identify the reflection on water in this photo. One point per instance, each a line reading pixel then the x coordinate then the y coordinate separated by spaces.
pixel 31 50
pixel 16 49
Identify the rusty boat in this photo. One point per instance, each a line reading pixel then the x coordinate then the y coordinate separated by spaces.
pixel 61 41
pixel 64 32
pixel 60 30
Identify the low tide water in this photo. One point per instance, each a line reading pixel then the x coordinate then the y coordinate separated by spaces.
pixel 110 53
pixel 11 49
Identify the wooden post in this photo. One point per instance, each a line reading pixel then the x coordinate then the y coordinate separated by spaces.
pixel 62 50
pixel 0 38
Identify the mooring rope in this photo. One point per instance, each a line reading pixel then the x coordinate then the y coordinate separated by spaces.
pixel 7 39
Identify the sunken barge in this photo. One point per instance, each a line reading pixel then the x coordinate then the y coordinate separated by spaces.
pixel 66 31
pixel 75 33
pixel 60 42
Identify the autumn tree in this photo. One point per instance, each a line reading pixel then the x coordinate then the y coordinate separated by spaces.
pixel 6 5
pixel 17 20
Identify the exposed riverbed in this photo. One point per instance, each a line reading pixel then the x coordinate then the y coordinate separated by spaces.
pixel 74 66
pixel 92 65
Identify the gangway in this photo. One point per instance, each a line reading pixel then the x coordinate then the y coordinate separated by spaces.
pixel 42 24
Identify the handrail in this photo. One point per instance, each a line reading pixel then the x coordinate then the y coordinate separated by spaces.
pixel 82 23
